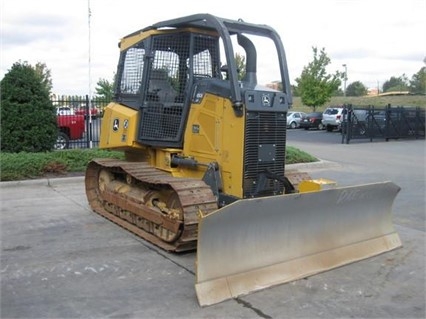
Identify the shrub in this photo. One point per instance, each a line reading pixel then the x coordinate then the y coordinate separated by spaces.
pixel 23 165
pixel 28 118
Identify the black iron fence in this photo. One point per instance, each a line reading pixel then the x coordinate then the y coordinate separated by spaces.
pixel 79 121
pixel 383 123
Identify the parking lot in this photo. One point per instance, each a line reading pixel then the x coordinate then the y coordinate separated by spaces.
pixel 60 260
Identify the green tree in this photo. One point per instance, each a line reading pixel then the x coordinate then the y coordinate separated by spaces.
pixel 28 118
pixel 418 82
pixel 294 90
pixel 240 60
pixel 315 86
pixel 396 84
pixel 45 75
pixel 356 89
pixel 338 92
pixel 105 89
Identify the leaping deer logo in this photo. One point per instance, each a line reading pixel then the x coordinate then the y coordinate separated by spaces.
pixel 116 125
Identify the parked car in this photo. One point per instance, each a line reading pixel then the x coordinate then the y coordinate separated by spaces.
pixel 294 118
pixel 312 120
pixel 70 127
pixel 332 118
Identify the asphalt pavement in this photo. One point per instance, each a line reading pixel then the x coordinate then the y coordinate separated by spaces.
pixel 60 260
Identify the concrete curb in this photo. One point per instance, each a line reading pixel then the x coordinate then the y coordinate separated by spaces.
pixel 321 164
pixel 44 181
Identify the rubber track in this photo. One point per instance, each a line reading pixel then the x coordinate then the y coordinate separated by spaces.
pixel 194 195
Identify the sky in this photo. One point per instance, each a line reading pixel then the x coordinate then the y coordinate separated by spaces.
pixel 375 39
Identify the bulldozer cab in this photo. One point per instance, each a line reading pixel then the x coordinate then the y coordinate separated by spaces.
pixel 161 66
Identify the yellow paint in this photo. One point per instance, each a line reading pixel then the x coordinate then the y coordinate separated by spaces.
pixel 316 185
pixel 139 36
pixel 209 138
pixel 122 136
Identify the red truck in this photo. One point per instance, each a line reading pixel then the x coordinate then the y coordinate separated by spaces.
pixel 85 111
pixel 70 127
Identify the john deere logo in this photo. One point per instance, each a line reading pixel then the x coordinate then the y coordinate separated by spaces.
pixel 115 125
pixel 266 101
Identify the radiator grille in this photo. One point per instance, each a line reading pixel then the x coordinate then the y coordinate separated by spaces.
pixel 264 153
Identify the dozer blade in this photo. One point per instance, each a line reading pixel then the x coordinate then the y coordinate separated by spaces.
pixel 257 243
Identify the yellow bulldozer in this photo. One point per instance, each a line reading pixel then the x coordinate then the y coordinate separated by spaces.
pixel 204 166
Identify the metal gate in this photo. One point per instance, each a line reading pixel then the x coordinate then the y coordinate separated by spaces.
pixel 383 123
pixel 79 122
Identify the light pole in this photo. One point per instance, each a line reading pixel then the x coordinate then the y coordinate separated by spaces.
pixel 345 79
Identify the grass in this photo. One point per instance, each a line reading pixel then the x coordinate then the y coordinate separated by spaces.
pixel 20 166
pixel 295 155
pixel 377 101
